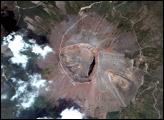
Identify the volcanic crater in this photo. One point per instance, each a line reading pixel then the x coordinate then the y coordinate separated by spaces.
pixel 90 64
pixel 79 61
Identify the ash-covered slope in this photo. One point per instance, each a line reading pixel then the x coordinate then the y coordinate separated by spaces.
pixel 113 82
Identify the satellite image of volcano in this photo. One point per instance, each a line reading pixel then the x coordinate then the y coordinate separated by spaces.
pixel 81 60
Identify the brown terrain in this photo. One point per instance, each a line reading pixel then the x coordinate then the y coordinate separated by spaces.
pixel 90 67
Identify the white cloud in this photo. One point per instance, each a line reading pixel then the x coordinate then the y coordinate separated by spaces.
pixel 28 100
pixel 17 45
pixel 24 97
pixel 13 80
pixel 50 81
pixel 47 89
pixel 37 81
pixel 21 89
pixel 3 96
pixel 7 39
pixel 71 114
pixel 21 59
pixel 32 41
pixel 44 117
pixel 2 66
pixel 39 51
pixel 17 113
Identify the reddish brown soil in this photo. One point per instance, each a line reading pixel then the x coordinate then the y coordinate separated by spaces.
pixel 102 94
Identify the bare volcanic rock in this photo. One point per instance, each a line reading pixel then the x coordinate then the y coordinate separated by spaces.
pixel 78 61
pixel 91 67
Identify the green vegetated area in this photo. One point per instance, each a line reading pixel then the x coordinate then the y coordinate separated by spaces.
pixel 142 108
pixel 41 108
pixel 101 8
pixel 73 7
pixel 159 95
pixel 131 55
pixel 47 18
pixel 7 106
pixel 151 42
pixel 13 70
pixel 155 56
pixel 105 9
pixel 10 70
pixel 157 7
pixel 55 14
pixel 17 71
pixel 113 115
pixel 151 38
pixel 44 107
pixel 25 4
pixel 47 71
pixel 133 10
